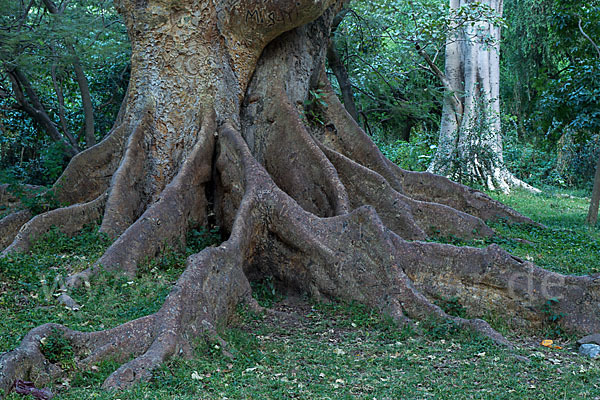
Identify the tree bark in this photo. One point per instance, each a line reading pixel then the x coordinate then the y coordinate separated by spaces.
pixel 592 217
pixel 470 141
pixel 214 124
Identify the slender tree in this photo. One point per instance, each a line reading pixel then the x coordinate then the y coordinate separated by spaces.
pixel 41 47
pixel 592 216
pixel 215 127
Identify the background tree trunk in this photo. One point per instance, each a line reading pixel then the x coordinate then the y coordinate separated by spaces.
pixel 336 65
pixel 470 142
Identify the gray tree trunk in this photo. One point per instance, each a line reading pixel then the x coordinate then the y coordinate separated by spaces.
pixel 470 142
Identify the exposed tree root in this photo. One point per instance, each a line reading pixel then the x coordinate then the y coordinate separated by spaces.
pixel 491 281
pixel 289 141
pixel 411 219
pixel 344 135
pixel 127 201
pixel 91 170
pixel 436 188
pixel 70 220
pixel 10 225
pixel 347 138
pixel 166 221
pixel 350 257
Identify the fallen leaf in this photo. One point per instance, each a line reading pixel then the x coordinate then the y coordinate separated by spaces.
pixel 550 344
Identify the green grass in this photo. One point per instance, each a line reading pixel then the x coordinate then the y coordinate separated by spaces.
pixel 568 245
pixel 329 351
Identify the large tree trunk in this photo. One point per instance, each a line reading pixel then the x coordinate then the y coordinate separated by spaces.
pixel 214 122
pixel 470 142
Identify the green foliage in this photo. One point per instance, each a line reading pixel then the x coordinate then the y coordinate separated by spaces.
pixel 57 349
pixel 553 96
pixel 443 329
pixel 37 201
pixel 200 237
pixel 552 318
pixel 41 44
pixel 312 111
pixel 414 155
pixel 265 291
pixel 383 44
pixel 452 306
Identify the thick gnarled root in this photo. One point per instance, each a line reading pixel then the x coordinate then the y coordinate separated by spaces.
pixel 491 281
pixel 28 362
pixel 10 226
pixel 205 295
pixel 288 136
pixel 166 221
pixel 345 137
pixel 409 218
pixel 426 186
pixel 70 220
pixel 126 198
pixel 349 257
pixel 91 170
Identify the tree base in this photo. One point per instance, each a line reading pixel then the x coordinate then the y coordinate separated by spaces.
pixel 315 205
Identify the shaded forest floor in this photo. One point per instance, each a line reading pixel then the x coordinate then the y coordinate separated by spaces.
pixel 320 351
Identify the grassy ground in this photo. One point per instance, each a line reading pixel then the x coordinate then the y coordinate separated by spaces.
pixel 321 351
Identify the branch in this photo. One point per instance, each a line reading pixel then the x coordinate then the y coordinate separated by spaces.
pixel 82 82
pixel 587 37
pixel 337 20
pixel 61 106
pixel 35 109
pixel 434 69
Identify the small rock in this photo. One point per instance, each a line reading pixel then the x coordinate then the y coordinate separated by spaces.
pixel 590 350
pixel 590 339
